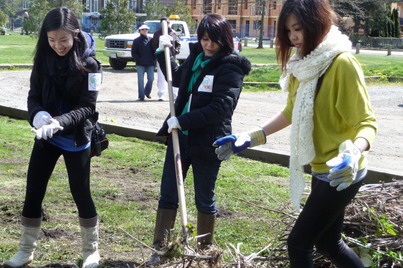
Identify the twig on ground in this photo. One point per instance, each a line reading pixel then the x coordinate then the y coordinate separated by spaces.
pixel 268 209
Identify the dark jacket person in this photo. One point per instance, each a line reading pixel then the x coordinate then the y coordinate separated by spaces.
pixel 210 83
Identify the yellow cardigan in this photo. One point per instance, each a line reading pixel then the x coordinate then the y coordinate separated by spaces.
pixel 342 110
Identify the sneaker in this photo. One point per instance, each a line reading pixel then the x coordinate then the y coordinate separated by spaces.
pixel 141 99
pixel 148 96
pixel 161 99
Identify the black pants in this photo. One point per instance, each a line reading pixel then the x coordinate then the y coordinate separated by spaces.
pixel 43 160
pixel 320 224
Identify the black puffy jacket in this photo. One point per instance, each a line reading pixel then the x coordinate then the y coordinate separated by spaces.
pixel 65 95
pixel 211 111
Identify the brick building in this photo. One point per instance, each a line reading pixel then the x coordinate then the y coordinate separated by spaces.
pixel 243 15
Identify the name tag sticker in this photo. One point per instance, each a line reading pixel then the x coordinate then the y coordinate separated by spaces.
pixel 94 81
pixel 207 84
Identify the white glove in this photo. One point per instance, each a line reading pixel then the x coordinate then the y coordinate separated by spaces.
pixel 173 123
pixel 48 130
pixel 165 41
pixel 344 166
pixel 41 118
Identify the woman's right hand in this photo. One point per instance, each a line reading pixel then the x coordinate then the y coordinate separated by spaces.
pixel 234 144
pixel 47 131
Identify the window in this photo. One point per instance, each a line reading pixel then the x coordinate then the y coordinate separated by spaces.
pixel 219 4
pixel 233 24
pixel 207 6
pixel 274 4
pixel 194 2
pixel 246 4
pixel 256 25
pixel 258 7
pixel 232 7
pixel 178 28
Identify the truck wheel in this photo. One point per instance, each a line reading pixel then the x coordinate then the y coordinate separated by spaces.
pixel 117 64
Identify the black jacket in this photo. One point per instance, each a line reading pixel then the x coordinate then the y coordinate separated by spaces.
pixel 176 45
pixel 65 95
pixel 211 111
pixel 142 51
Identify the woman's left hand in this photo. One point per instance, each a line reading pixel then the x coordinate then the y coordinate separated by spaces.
pixel 344 166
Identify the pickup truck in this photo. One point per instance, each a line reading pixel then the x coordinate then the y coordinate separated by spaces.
pixel 118 47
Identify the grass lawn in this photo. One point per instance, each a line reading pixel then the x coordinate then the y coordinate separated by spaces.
pixel 125 182
pixel 18 49
pixel 252 200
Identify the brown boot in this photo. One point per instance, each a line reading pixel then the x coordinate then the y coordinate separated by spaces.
pixel 205 225
pixel 163 225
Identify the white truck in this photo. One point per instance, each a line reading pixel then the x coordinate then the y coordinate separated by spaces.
pixel 118 47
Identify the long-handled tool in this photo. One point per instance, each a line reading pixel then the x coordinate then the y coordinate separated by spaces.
pixel 175 139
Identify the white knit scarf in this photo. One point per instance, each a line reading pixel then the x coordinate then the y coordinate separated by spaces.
pixel 307 70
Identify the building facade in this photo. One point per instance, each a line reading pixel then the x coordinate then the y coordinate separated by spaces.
pixel 245 16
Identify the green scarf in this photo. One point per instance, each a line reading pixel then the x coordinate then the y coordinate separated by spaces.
pixel 198 65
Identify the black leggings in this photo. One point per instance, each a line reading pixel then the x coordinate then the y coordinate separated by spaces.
pixel 43 160
pixel 320 224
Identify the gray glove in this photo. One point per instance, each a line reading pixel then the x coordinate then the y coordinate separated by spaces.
pixel 41 118
pixel 48 130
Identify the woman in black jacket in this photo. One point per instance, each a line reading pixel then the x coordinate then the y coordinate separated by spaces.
pixel 65 81
pixel 210 82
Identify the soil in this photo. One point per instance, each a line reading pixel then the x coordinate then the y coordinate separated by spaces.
pixel 118 104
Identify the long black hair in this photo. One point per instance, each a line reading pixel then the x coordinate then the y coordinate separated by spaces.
pixel 218 30
pixel 315 17
pixel 45 57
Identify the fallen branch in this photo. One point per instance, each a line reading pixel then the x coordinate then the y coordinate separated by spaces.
pixel 268 209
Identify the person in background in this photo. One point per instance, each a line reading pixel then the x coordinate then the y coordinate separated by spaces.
pixel 64 86
pixel 210 83
pixel 143 55
pixel 175 50
pixel 333 127
pixel 24 27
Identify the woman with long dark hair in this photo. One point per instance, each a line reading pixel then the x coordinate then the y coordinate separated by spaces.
pixel 64 86
pixel 333 127
pixel 210 83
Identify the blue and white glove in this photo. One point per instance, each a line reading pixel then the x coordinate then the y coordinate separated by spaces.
pixel 344 166
pixel 41 118
pixel 165 41
pixel 173 123
pixel 48 130
pixel 236 143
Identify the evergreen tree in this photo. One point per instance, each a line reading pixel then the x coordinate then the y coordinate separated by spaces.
pixel 397 23
pixel 117 18
pixel 154 10
pixel 182 11
pixel 37 11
